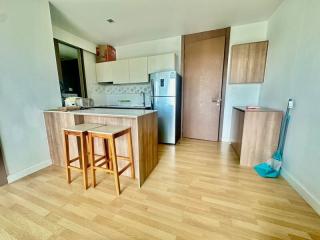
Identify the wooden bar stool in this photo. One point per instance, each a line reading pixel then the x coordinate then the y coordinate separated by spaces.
pixel 109 134
pixel 80 131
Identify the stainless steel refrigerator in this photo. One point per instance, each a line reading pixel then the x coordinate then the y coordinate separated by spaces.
pixel 166 99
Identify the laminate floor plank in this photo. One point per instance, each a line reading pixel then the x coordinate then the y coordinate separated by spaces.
pixel 197 191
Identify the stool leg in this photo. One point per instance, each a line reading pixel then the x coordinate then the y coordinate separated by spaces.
pixel 91 149
pixel 79 145
pixel 130 153
pixel 115 165
pixel 67 156
pixel 84 159
pixel 106 153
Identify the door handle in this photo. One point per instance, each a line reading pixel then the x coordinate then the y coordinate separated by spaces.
pixel 216 100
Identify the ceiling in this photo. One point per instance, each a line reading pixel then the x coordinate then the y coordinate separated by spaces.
pixel 143 20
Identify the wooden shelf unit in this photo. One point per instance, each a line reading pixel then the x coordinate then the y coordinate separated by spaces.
pixel 255 134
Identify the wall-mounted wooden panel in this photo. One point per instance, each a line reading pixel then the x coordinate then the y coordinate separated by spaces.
pixel 248 62
pixel 257 62
pixel 239 63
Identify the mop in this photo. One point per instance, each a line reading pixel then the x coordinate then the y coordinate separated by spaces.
pixel 272 167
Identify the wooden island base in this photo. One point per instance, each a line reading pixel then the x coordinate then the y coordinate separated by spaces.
pixel 144 129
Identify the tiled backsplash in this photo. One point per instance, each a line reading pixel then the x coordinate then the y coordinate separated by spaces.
pixel 128 89
pixel 109 94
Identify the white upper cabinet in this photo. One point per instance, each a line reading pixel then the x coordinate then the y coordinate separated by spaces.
pixel 120 72
pixel 159 63
pixel 134 70
pixel 138 70
pixel 104 72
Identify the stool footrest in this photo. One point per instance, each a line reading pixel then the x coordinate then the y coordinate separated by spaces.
pixel 125 168
pixel 74 159
pixel 123 158
pixel 98 159
pixel 101 164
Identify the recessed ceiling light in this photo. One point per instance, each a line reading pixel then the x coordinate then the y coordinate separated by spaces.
pixel 110 20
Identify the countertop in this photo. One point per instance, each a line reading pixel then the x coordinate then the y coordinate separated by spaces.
pixel 260 109
pixel 129 113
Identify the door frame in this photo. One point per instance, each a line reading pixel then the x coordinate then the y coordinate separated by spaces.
pixel 3 173
pixel 82 74
pixel 202 36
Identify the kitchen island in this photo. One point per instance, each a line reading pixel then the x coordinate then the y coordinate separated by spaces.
pixel 144 127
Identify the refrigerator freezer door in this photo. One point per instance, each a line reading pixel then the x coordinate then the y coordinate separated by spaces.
pixel 164 84
pixel 166 107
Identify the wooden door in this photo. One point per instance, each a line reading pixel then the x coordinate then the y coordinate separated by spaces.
pixel 203 75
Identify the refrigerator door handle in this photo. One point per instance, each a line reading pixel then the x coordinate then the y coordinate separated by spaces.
pixel 216 100
pixel 152 93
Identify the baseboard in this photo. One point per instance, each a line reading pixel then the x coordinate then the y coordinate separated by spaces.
pixel 304 193
pixel 25 172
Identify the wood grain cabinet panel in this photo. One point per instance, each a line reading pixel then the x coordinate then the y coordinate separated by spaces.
pixel 257 62
pixel 255 134
pixel 248 62
pixel 239 63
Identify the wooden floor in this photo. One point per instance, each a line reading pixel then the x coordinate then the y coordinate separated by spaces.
pixel 198 191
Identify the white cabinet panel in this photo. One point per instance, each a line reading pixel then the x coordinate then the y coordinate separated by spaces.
pixel 134 70
pixel 104 71
pixel 120 72
pixel 159 63
pixel 138 69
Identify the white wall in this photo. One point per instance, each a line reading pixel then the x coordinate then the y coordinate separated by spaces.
pixel 241 94
pixel 293 71
pixel 28 84
pixel 149 48
pixel 72 39
pixel 94 90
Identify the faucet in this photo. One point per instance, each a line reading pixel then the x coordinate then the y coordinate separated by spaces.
pixel 144 98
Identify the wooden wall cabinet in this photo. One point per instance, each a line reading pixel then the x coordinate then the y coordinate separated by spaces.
pixel 255 134
pixel 248 62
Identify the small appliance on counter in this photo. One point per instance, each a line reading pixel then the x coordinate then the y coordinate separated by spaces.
pixel 79 101
pixel 166 99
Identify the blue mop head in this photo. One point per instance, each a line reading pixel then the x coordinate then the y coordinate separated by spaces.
pixel 266 171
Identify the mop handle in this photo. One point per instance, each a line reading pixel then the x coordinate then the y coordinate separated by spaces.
pixel 284 127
